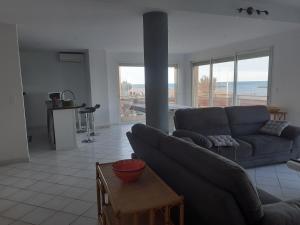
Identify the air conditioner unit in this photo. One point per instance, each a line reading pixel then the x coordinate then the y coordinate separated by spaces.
pixel 74 57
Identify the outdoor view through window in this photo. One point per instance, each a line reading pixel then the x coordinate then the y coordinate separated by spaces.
pixel 132 92
pixel 214 83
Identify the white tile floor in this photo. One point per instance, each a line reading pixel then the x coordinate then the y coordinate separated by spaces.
pixel 58 187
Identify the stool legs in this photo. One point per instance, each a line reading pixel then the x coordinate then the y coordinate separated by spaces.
pixel 88 129
pixel 92 120
pixel 79 126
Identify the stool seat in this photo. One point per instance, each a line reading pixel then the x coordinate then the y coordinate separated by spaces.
pixel 89 117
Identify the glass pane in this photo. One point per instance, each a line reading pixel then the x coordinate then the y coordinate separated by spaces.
pixel 172 75
pixel 132 92
pixel 252 83
pixel 201 85
pixel 222 84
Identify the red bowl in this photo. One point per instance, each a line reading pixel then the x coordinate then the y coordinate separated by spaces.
pixel 129 170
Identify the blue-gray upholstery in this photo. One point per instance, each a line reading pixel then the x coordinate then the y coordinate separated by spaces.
pixel 214 121
pixel 243 151
pixel 246 120
pixel 216 190
pixel 266 144
pixel 244 124
pixel 197 138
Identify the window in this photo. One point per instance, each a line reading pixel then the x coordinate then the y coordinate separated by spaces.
pixel 201 85
pixel 252 81
pixel 132 91
pixel 222 83
pixel 238 80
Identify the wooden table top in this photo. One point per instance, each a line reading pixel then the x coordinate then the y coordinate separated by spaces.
pixel 149 192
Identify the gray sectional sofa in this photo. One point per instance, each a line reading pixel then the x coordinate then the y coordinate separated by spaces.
pixel 243 124
pixel 217 191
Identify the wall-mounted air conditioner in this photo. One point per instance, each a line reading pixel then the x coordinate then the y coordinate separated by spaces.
pixel 73 57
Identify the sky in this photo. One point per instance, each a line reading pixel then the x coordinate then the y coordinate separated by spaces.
pixel 136 75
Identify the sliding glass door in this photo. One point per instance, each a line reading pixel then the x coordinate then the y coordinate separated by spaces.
pixel 242 79
pixel 132 91
pixel 252 81
pixel 222 83
pixel 201 87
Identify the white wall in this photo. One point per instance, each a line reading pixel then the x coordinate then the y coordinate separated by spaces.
pixel 13 147
pixel 42 72
pixel 113 60
pixel 285 87
pixel 99 86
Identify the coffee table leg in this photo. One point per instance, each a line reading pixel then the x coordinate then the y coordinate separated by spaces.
pixel 167 215
pixel 152 217
pixel 136 219
pixel 181 214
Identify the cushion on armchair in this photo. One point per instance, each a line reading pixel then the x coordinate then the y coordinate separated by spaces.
pixel 274 127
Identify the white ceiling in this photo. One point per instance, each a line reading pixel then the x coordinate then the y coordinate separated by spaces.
pixel 115 26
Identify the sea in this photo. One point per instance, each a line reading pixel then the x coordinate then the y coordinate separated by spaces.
pixel 253 88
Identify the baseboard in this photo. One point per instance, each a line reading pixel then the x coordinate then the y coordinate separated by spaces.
pixel 13 161
pixel 103 126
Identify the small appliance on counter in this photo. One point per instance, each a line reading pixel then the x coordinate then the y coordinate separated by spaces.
pixel 68 98
pixel 55 99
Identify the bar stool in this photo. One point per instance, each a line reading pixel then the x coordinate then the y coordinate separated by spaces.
pixel 80 129
pixel 86 112
pixel 92 119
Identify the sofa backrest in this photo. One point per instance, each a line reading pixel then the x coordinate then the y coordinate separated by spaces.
pixel 245 120
pixel 218 171
pixel 216 190
pixel 149 135
pixel 207 121
pixel 204 202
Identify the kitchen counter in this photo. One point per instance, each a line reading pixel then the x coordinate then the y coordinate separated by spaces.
pixel 62 126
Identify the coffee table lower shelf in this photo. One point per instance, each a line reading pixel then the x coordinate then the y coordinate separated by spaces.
pixel 132 219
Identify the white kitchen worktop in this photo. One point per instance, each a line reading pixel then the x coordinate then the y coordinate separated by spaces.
pixel 65 128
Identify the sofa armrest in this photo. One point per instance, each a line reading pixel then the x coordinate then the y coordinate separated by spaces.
pixel 282 213
pixel 196 137
pixel 266 198
pixel 292 133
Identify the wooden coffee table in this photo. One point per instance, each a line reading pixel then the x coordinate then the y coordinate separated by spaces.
pixel 147 201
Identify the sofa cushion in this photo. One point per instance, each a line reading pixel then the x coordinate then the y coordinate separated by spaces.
pixel 206 121
pixel 223 140
pixel 266 144
pixel 148 134
pixel 274 127
pixel 217 170
pixel 243 151
pixel 245 120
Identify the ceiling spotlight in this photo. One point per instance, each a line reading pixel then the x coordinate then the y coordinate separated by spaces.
pixel 250 11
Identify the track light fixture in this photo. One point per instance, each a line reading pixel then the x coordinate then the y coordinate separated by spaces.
pixel 250 11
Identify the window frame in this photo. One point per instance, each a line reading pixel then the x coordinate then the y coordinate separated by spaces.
pixel 235 58
pixel 176 66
